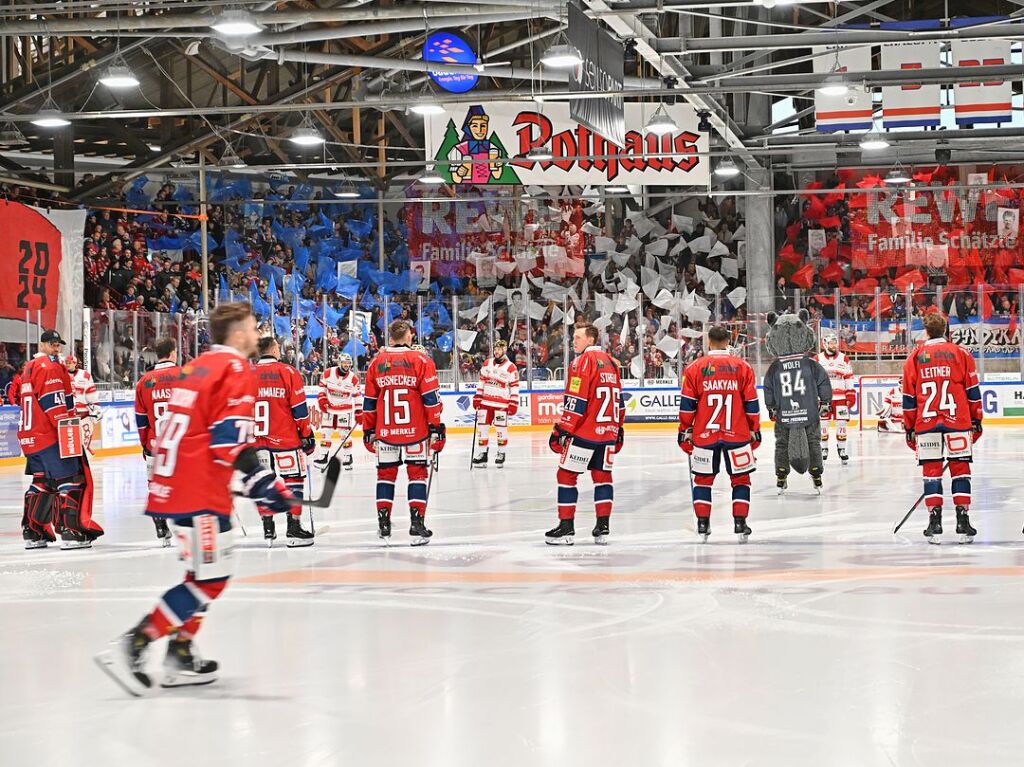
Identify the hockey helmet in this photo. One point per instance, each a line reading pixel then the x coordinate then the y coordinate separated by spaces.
pixel 830 342
pixel 345 359
pixel 70 360
pixel 419 348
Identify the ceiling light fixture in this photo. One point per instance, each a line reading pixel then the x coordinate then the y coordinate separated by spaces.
pixel 230 159
pixel 119 76
pixel 727 169
pixel 661 123
pixel 11 135
pixel 539 154
pixel 897 175
pixel 347 192
pixel 873 142
pixel 306 134
pixel 430 176
pixel 236 24
pixel 49 115
pixel 561 55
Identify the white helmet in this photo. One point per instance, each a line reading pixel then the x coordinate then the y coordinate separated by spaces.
pixel 345 359
pixel 830 342
pixel 419 348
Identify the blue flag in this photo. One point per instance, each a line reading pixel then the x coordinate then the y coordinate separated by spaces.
pixel 444 342
pixel 282 325
pixel 307 348
pixel 315 329
pixel 295 282
pixel 354 348
pixel 272 293
pixel 347 286
pixel 222 290
pixel 259 306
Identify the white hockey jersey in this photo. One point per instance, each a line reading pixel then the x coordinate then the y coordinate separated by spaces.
pixel 499 384
pixel 84 391
pixel 339 392
pixel 840 373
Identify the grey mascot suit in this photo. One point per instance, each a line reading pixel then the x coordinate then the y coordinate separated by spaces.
pixel 795 389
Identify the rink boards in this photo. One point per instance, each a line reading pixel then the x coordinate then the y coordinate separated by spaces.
pixel 654 405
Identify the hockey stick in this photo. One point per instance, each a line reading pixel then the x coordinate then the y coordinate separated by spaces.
pixel 309 485
pixel 327 492
pixel 472 447
pixel 434 460
pixel 238 519
pixel 341 444
pixel 918 503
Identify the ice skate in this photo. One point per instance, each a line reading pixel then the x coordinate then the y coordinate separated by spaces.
pixel 816 480
pixel 704 528
pixel 934 529
pixel 384 525
pixel 781 482
pixel 499 461
pixel 600 531
pixel 74 539
pixel 125 662
pixel 33 540
pixel 824 453
pixel 347 462
pixel 843 455
pixel 296 536
pixel 183 666
pixel 480 460
pixel 418 531
pixel 562 535
pixel 963 525
pixel 321 461
pixel 742 530
pixel 269 530
pixel 163 533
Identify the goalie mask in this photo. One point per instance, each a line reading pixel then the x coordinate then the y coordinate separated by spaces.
pixel 830 343
pixel 345 361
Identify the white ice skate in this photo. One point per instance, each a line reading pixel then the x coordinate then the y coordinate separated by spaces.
pixel 124 662
pixel 183 666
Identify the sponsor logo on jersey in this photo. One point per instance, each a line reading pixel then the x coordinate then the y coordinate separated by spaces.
pixel 575 384
pixel 708 371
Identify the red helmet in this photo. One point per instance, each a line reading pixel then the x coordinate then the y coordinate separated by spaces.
pixel 71 359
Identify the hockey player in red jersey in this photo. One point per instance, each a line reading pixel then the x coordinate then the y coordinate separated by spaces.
pixel 61 489
pixel 204 438
pixel 942 417
pixel 402 424
pixel 151 395
pixel 496 398
pixel 720 423
pixel 338 402
pixel 588 435
pixel 283 435
pixel 87 400
pixel 844 396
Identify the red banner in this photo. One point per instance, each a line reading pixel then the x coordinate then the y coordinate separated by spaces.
pixel 30 258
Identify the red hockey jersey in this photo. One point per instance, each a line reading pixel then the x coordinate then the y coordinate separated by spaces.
pixel 592 409
pixel 209 421
pixel 45 398
pixel 940 388
pixel 151 395
pixel 282 416
pixel 719 400
pixel 402 398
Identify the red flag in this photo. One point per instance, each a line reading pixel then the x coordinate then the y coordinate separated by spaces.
pixel 883 307
pixel 1016 277
pixel 831 250
pixel 793 231
pixel 803 277
pixel 832 272
pixel 986 305
pixel 869 182
pixel 827 300
pixel 865 285
pixel 830 222
pixel 857 202
pixel 910 280
pixel 789 255
pixel 815 209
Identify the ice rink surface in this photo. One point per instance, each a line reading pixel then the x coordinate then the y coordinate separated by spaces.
pixel 823 641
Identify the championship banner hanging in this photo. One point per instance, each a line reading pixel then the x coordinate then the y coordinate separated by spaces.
pixel 853 110
pixel 601 70
pixel 982 102
pixel 486 144
pixel 915 104
pixel 30 264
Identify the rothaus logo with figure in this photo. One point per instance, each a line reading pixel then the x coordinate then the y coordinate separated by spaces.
pixel 488 144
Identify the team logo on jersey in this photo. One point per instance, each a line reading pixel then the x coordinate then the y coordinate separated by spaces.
pixel 575 384
pixel 924 358
pixel 709 371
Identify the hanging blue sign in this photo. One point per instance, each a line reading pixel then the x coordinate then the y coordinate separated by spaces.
pixel 448 48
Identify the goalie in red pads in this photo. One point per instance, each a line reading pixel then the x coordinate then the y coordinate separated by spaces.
pixel 942 417
pixel 496 398
pixel 204 438
pixel 844 396
pixel 720 424
pixel 588 436
pixel 60 495
pixel 284 437
pixel 402 424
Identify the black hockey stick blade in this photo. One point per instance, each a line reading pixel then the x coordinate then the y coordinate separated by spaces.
pixel 330 482
pixel 907 515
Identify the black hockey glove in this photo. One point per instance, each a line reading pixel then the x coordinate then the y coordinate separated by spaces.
pixel 976 430
pixel 268 490
pixel 755 440
pixel 911 438
pixel 369 437
pixel 557 439
pixel 309 444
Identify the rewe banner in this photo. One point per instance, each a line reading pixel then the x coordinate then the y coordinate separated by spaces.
pixel 486 144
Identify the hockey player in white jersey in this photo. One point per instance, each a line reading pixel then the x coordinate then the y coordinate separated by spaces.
pixel 890 417
pixel 497 398
pixel 87 407
pixel 339 398
pixel 844 397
